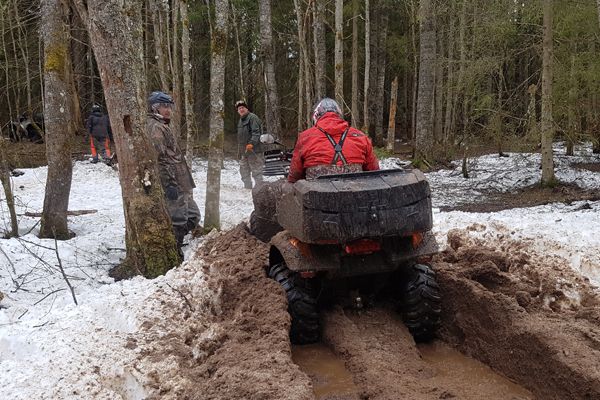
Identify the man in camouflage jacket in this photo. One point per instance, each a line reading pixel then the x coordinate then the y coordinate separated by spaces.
pixel 252 159
pixel 175 176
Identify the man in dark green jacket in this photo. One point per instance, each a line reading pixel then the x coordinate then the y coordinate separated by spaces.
pixel 249 149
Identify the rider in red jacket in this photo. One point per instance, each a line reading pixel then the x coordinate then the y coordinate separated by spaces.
pixel 331 146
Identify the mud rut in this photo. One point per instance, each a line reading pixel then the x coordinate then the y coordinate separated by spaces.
pixel 527 316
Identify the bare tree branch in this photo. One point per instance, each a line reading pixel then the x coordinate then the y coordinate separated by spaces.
pixel 62 270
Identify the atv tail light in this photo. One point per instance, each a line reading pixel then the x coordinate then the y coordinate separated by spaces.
pixel 362 246
pixel 307 274
pixel 417 239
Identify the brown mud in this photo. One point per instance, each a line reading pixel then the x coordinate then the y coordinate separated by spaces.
pixel 531 196
pixel 233 343
pixel 525 315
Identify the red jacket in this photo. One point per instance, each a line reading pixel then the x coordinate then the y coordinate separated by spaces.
pixel 313 148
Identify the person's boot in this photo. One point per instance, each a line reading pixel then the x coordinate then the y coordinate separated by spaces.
pixel 247 185
pixel 180 233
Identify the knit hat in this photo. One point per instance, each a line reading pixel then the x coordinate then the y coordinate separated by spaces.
pixel 240 103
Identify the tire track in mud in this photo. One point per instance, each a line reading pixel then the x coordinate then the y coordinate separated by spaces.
pixel 381 354
pixel 526 315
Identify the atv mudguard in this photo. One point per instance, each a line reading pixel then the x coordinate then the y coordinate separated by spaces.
pixel 330 258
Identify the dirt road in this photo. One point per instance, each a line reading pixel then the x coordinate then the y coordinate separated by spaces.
pixel 527 316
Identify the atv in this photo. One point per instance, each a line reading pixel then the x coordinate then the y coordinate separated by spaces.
pixel 349 233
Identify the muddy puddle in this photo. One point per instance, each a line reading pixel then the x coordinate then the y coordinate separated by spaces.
pixel 464 377
pixel 477 380
pixel 330 378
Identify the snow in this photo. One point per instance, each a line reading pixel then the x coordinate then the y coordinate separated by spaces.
pixel 51 348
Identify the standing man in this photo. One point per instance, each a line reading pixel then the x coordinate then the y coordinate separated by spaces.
pixel 98 127
pixel 251 158
pixel 175 176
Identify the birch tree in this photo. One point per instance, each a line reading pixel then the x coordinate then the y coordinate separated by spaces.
pixel 546 124
pixel 319 47
pixel 217 126
pixel 116 31
pixel 58 98
pixel 190 118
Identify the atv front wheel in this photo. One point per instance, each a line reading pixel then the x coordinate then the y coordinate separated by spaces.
pixel 302 304
pixel 421 303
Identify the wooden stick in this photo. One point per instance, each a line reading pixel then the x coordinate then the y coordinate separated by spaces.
pixel 75 213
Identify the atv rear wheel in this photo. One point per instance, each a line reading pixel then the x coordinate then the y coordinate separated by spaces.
pixel 421 303
pixel 302 304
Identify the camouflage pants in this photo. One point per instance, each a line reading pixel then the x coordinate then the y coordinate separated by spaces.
pixel 320 170
pixel 252 163
pixel 184 213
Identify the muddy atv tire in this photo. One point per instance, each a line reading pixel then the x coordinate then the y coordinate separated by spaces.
pixel 302 304
pixel 421 303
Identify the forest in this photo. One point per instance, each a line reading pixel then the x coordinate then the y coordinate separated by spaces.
pixel 484 65
pixel 435 80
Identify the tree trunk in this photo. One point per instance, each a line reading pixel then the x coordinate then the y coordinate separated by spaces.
pixel 303 73
pixel 190 118
pixel 355 112
pixel 596 118
pixel 160 48
pixel 319 48
pixel 176 117
pixel 381 69
pixel 449 81
pixel 391 134
pixel 424 133
pixel 415 80
pixel 116 32
pixel 462 64
pixel 9 100
pixel 16 88
pixel 273 114
pixel 58 78
pixel 217 130
pixel 439 90
pixel 367 67
pixel 547 128
pixel 572 107
pixel 339 53
pixel 8 194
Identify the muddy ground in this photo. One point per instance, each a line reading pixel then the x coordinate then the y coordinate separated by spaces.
pixel 526 315
pixel 531 196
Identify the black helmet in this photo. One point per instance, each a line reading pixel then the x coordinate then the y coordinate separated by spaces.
pixel 324 106
pixel 159 97
pixel 96 108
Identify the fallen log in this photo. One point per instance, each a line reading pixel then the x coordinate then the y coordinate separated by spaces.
pixel 75 213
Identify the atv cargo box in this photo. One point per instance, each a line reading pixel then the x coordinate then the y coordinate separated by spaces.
pixel 347 207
